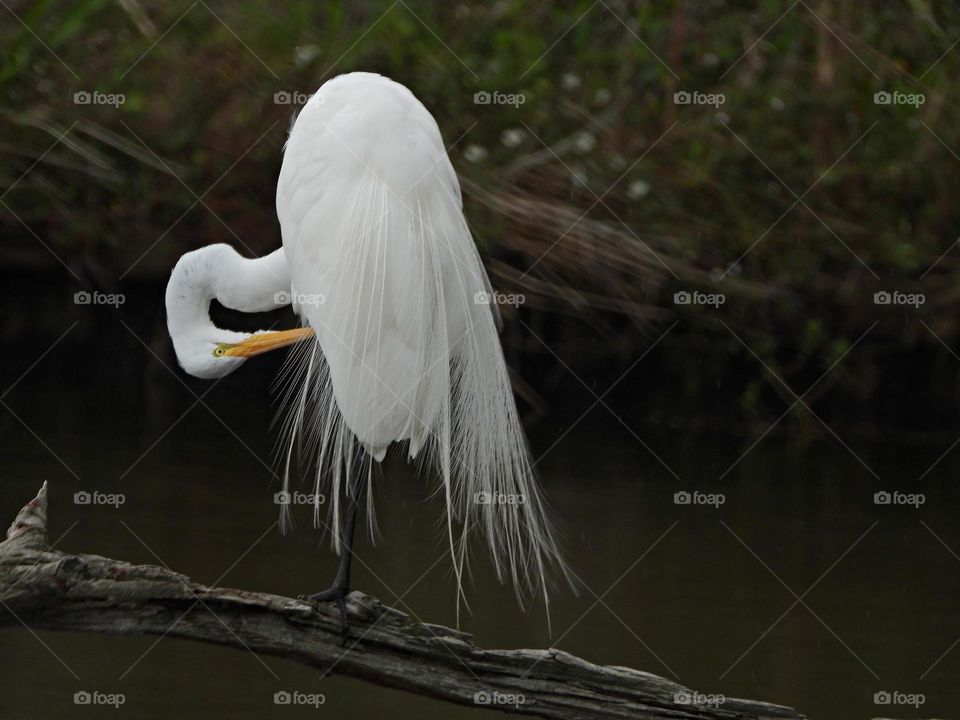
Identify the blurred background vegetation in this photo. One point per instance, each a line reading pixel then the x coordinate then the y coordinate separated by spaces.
pixel 597 198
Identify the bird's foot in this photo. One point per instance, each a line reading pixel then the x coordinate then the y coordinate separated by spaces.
pixel 336 594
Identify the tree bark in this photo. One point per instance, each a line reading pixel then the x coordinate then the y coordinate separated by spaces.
pixel 49 589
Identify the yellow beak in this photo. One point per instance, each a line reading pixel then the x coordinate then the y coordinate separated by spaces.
pixel 267 341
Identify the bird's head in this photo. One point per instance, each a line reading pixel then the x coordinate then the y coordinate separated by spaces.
pixel 217 272
pixel 211 352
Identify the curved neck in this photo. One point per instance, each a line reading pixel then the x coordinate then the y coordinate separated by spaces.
pixel 219 272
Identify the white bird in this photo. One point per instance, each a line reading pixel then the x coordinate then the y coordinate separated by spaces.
pixel 399 339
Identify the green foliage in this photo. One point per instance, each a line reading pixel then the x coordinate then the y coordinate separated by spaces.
pixel 878 182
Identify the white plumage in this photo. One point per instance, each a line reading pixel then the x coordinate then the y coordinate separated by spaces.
pixel 365 185
pixel 381 264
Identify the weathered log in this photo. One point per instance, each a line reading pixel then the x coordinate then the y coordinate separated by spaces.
pixel 52 590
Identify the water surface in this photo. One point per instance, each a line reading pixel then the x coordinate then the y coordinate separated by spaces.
pixel 798 589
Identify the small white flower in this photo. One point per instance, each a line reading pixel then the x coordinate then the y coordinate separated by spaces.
pixel 602 96
pixel 777 104
pixel 570 81
pixel 638 189
pixel 584 142
pixel 303 54
pixel 710 59
pixel 512 138
pixel 475 153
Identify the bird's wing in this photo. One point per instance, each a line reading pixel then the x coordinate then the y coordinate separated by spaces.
pixel 384 267
pixel 362 201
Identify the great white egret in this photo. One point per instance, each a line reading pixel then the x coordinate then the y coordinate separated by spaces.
pixel 399 339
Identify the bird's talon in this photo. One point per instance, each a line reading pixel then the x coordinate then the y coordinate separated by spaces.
pixel 344 622
pixel 338 595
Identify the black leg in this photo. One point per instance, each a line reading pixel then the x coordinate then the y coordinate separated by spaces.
pixel 341 582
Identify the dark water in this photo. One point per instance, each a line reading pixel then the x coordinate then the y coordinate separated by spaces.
pixel 702 594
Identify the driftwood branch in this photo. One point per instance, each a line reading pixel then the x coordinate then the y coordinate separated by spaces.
pixel 49 589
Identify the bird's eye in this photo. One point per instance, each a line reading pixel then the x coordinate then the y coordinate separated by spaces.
pixel 219 351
